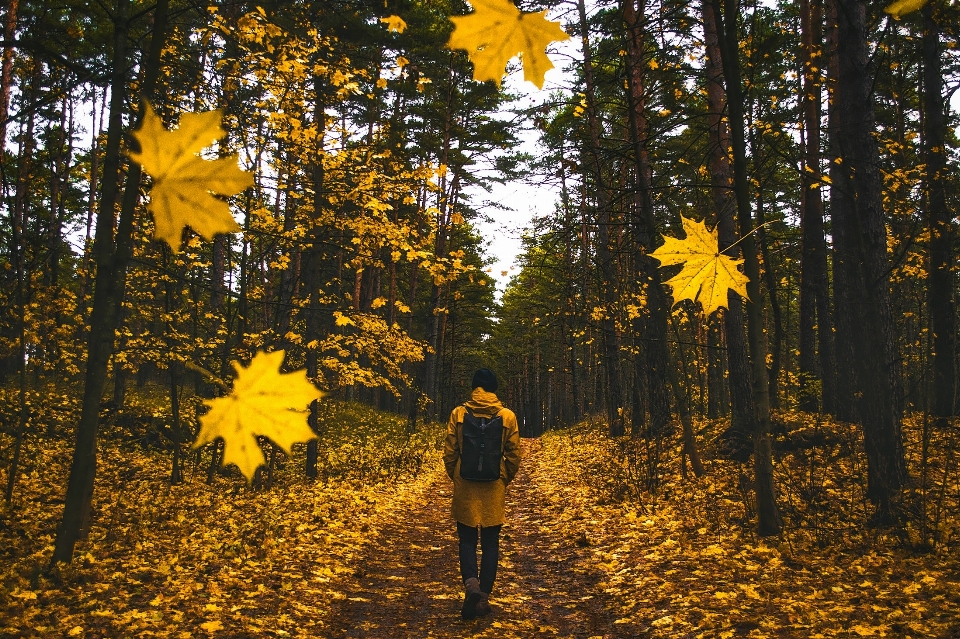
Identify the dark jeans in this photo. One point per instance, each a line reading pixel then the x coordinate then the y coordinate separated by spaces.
pixel 490 549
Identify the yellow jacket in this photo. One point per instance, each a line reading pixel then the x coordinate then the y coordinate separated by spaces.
pixel 478 503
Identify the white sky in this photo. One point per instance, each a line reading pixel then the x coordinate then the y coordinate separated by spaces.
pixel 524 200
pixel 503 229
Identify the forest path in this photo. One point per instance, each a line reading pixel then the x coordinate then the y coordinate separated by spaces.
pixel 406 583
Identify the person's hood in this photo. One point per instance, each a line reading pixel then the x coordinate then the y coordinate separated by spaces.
pixel 483 402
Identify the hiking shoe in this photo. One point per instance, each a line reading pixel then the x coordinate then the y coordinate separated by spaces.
pixel 483 606
pixel 472 596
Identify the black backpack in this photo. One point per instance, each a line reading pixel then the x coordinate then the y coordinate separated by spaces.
pixel 482 447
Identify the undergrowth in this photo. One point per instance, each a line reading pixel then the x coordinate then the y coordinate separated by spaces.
pixel 677 555
pixel 161 559
pixel 682 559
pixel 820 472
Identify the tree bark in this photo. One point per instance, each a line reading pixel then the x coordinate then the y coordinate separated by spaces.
pixel 847 282
pixel 111 253
pixel 572 412
pixel 611 340
pixel 653 325
pixel 176 472
pixel 689 447
pixel 743 414
pixel 59 187
pixel 941 278
pixel 18 257
pixel 289 275
pixel 717 400
pixel 313 270
pixel 770 279
pixel 816 359
pixel 6 70
pixel 865 232
pixel 768 515
pixel 173 378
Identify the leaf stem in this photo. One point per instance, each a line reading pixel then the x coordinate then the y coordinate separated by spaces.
pixel 745 236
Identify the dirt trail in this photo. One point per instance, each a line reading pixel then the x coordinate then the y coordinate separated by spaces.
pixel 406 583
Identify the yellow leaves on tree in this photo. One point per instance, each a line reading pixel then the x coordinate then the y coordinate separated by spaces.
pixel 264 402
pixel 901 8
pixel 706 275
pixel 496 31
pixel 184 182
pixel 394 23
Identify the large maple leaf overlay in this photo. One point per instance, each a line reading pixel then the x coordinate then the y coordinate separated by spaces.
pixel 707 275
pixel 264 402
pixel 496 31
pixel 901 8
pixel 184 182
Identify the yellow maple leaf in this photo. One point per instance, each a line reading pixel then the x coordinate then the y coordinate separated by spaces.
pixel 707 275
pixel 394 23
pixel 264 402
pixel 212 626
pixel 343 320
pixel 901 8
pixel 496 31
pixel 184 182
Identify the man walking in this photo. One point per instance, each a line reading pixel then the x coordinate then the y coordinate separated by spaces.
pixel 481 454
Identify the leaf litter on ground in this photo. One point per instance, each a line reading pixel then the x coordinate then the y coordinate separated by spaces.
pixel 588 550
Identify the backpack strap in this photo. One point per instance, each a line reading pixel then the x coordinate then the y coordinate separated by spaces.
pixel 467 409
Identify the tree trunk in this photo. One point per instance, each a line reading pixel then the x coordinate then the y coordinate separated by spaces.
pixel 572 412
pixel 173 379
pixel 717 400
pixel 59 187
pixel 738 439
pixel 6 70
pixel 815 323
pixel 611 340
pixel 689 449
pixel 111 253
pixel 290 274
pixel 313 269
pixel 653 325
pixel 769 522
pixel 940 274
pixel 846 275
pixel 18 255
pixel 176 472
pixel 770 279
pixel 100 345
pixel 874 343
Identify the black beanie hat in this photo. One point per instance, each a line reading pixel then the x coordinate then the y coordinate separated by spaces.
pixel 484 377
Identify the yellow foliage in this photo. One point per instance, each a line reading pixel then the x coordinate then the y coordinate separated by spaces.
pixel 901 8
pixel 707 275
pixel 394 23
pixel 264 402
pixel 496 31
pixel 183 182
pixel 304 558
